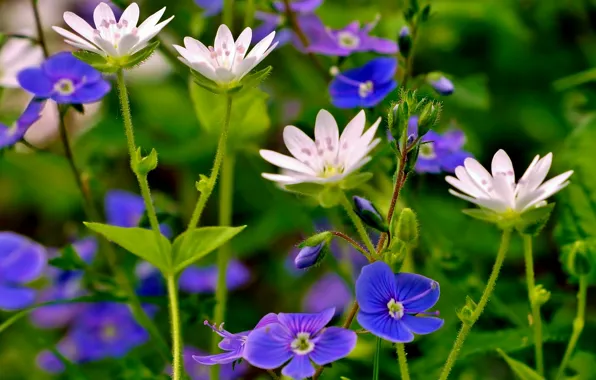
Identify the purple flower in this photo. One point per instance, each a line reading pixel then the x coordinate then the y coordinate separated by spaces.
pixel 210 7
pixel 364 86
pixel 330 291
pixel 303 10
pixel 369 214
pixel 21 261
pixel 391 304
pixel 441 152
pixel 298 339
pixel 346 41
pixel 65 284
pixel 309 256
pixel 125 209
pixel 65 79
pixel 198 371
pixel 86 8
pixel 232 343
pixel 442 85
pixel 10 135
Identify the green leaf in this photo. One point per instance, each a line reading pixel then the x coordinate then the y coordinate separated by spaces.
pixel 194 244
pixel 480 214
pixel 140 56
pixel 97 61
pixel 520 369
pixel 330 197
pixel 69 259
pixel 139 241
pixel 249 112
pixel 533 221
pixel 355 180
pixel 254 79
pixel 306 188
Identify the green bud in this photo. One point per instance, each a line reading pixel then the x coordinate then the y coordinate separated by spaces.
pixel 578 259
pixel 395 255
pixel 322 237
pixel 466 313
pixel 143 165
pixel 412 157
pixel 540 295
pixel 405 229
pixel 202 184
pixel 429 116
pixel 425 14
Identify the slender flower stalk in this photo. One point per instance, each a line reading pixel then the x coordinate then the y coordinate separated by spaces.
pixel 359 226
pixel 477 312
pixel 226 196
pixel 535 306
pixel 578 324
pixel 403 361
pixel 377 359
pixel 172 285
pixel 212 180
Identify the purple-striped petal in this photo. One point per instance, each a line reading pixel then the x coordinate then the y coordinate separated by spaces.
pixel 267 320
pixel 375 287
pixel 416 292
pixel 333 344
pixel 299 367
pixel 304 322
pixel 268 347
pixel 422 325
pixel 225 358
pixel 386 327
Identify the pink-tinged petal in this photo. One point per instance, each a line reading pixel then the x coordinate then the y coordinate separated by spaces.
pixel 282 179
pixel 126 44
pixel 422 325
pixel 503 167
pixel 243 42
pixel 73 37
pixel 85 47
pixel 261 47
pixel 491 204
pixel 386 327
pixel 131 16
pixel 146 34
pixel 478 173
pixel 351 134
pixel 268 347
pixel 102 13
pixel 152 20
pixel 326 136
pixel 302 147
pixel 306 322
pixel 106 46
pixel 286 162
pixel 539 173
pixel 78 25
pixel 299 367
pixel 198 51
pixel 547 189
pixel 375 287
pixel 224 75
pixel 333 344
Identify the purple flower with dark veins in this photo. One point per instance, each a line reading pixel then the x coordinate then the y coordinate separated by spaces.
pixel 298 340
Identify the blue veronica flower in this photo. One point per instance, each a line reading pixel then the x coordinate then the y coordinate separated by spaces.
pixel 442 152
pixel 303 10
pixel 329 291
pixel 198 371
pixel 442 85
pixel 65 284
pixel 298 340
pixel 309 256
pixel 10 135
pixel 64 79
pixel 364 86
pixel 21 261
pixel 234 344
pixel 211 7
pixel 392 305
pixel 125 209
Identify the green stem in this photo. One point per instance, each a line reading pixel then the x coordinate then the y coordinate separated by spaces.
pixel 226 197
pixel 40 35
pixel 359 225
pixel 377 360
pixel 403 361
pixel 467 325
pixel 536 318
pixel 578 324
pixel 249 13
pixel 228 13
pixel 212 180
pixel 177 370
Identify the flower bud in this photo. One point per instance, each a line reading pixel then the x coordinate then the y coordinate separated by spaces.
pixel 578 259
pixel 309 256
pixel 440 83
pixel 406 227
pixel 466 314
pixel 412 157
pixel 143 165
pixel 369 214
pixel 540 295
pixel 404 41
pixel 399 117
pixel 428 117
pixel 313 241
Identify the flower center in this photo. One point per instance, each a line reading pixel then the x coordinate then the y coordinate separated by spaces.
pixel 330 171
pixel 427 150
pixel 348 40
pixel 64 87
pixel 302 345
pixel 396 309
pixel 109 332
pixel 365 89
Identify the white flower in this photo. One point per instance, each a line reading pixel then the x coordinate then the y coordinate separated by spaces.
pixel 225 62
pixel 112 38
pixel 329 158
pixel 499 192
pixel 16 55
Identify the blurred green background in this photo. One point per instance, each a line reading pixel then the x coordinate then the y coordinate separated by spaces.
pixel 503 57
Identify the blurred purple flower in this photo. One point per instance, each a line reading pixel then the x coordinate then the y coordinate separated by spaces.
pixel 232 343
pixel 86 8
pixel 125 209
pixel 10 135
pixel 64 285
pixel 65 79
pixel 303 10
pixel 198 371
pixel 364 86
pixel 21 261
pixel 210 7
pixel 330 291
pixel 442 85
pixel 393 306
pixel 298 340
pixel 441 152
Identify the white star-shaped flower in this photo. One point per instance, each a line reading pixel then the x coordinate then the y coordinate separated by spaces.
pixel 112 38
pixel 17 54
pixel 499 192
pixel 330 158
pixel 226 61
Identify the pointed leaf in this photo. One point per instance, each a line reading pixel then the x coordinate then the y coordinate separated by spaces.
pixel 97 61
pixel 355 180
pixel 520 369
pixel 141 56
pixel 140 242
pixel 306 188
pixel 533 221
pixel 197 243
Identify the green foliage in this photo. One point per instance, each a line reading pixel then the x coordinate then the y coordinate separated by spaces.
pixel 69 259
pixel 521 370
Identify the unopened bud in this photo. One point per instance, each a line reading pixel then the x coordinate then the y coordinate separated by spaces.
pixel 369 214
pixel 143 165
pixel 466 313
pixel 440 83
pixel 412 158
pixel 578 259
pixel 309 256
pixel 315 240
pixel 406 227
pixel 428 117
pixel 540 295
pixel 404 41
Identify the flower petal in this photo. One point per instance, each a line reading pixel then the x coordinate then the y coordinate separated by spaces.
pixel 306 322
pixel 268 347
pixel 74 38
pixel 286 162
pixel 375 287
pixel 102 13
pixel 422 325
pixel 259 50
pixel 326 136
pixel 547 189
pixel 351 135
pixel 386 327
pixel 14 298
pixel 299 367
pixel 35 81
pixel 91 93
pixel 267 320
pixel 333 344
pixel 78 25
pixel 503 167
pixel 283 179
pixel 224 358
pixel 302 147
pixel 24 264
pixel 416 292
pixel 493 204
pixel 131 16
pixel 478 174
pixel 243 42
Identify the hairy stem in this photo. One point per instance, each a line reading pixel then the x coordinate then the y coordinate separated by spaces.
pixel 403 361
pixel 172 285
pixel 535 307
pixel 467 325
pixel 359 226
pixel 351 241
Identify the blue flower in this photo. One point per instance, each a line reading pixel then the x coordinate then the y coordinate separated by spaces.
pixel 392 305
pixel 365 86
pixel 442 85
pixel 330 291
pixel 232 343
pixel 198 371
pixel 297 340
pixel 125 209
pixel 303 10
pixel 65 79
pixel 210 7
pixel 21 261
pixel 441 152
pixel 11 135
pixel 309 256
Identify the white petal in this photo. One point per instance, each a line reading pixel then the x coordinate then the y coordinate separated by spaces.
pixel 152 20
pixel 105 46
pixel 284 179
pixel 103 12
pixel 491 204
pixel 357 165
pixel 73 37
pixel 471 186
pixel 243 42
pixel 359 154
pixel 240 70
pixel 224 40
pixel 79 25
pixel 479 174
pixel 352 132
pixel 126 44
pixel 199 52
pixel 146 34
pixel 131 16
pixel 326 137
pixel 302 147
pixel 260 48
pixel 265 54
pixel 524 178
pixel 504 190
pixel 205 70
pixel 224 75
pixel 464 187
pixel 85 47
pixel 286 162
pixel 539 173
pixel 502 166
pixel 547 189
